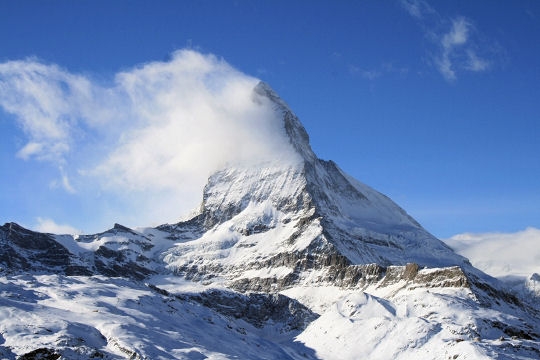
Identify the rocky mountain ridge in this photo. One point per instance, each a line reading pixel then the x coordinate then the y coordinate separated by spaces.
pixel 286 259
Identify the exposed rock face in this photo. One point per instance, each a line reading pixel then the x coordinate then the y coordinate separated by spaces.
pixel 302 217
pixel 258 308
pixel 261 228
pixel 123 256
pixel 30 251
pixel 266 231
pixel 26 250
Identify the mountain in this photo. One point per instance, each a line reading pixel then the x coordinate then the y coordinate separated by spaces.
pixel 289 258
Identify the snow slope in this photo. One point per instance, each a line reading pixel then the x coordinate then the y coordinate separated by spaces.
pixel 113 318
pixel 285 259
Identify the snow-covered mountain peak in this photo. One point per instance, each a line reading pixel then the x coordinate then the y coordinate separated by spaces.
pixel 294 129
pixel 346 216
pixel 284 260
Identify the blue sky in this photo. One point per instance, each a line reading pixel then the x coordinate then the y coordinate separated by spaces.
pixel 435 104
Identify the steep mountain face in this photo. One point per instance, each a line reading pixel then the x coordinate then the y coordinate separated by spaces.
pixel 285 259
pixel 308 219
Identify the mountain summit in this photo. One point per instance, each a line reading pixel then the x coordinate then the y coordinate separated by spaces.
pixel 289 258
pixel 309 212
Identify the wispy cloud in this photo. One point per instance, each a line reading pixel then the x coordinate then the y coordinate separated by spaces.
pixel 377 72
pixel 475 63
pixel 417 8
pixel 501 254
pixel 48 102
pixel 457 48
pixel 366 74
pixel 63 182
pixel 154 134
pixel 47 225
pixel 450 44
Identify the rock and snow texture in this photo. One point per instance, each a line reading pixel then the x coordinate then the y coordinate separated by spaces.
pixel 287 258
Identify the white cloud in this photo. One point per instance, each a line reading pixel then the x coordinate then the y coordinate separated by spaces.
pixel 456 40
pixel 63 182
pixel 475 63
pixel 194 114
pixel 417 8
pixel 29 150
pixel 46 225
pixel 458 35
pixel 152 137
pixel 458 51
pixel 501 254
pixel 445 68
pixel 47 102
pixel 456 54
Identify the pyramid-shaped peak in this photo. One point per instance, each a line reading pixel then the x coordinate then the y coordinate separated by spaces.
pixel 262 88
pixel 294 129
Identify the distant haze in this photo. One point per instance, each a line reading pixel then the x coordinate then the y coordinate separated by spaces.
pixel 501 254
